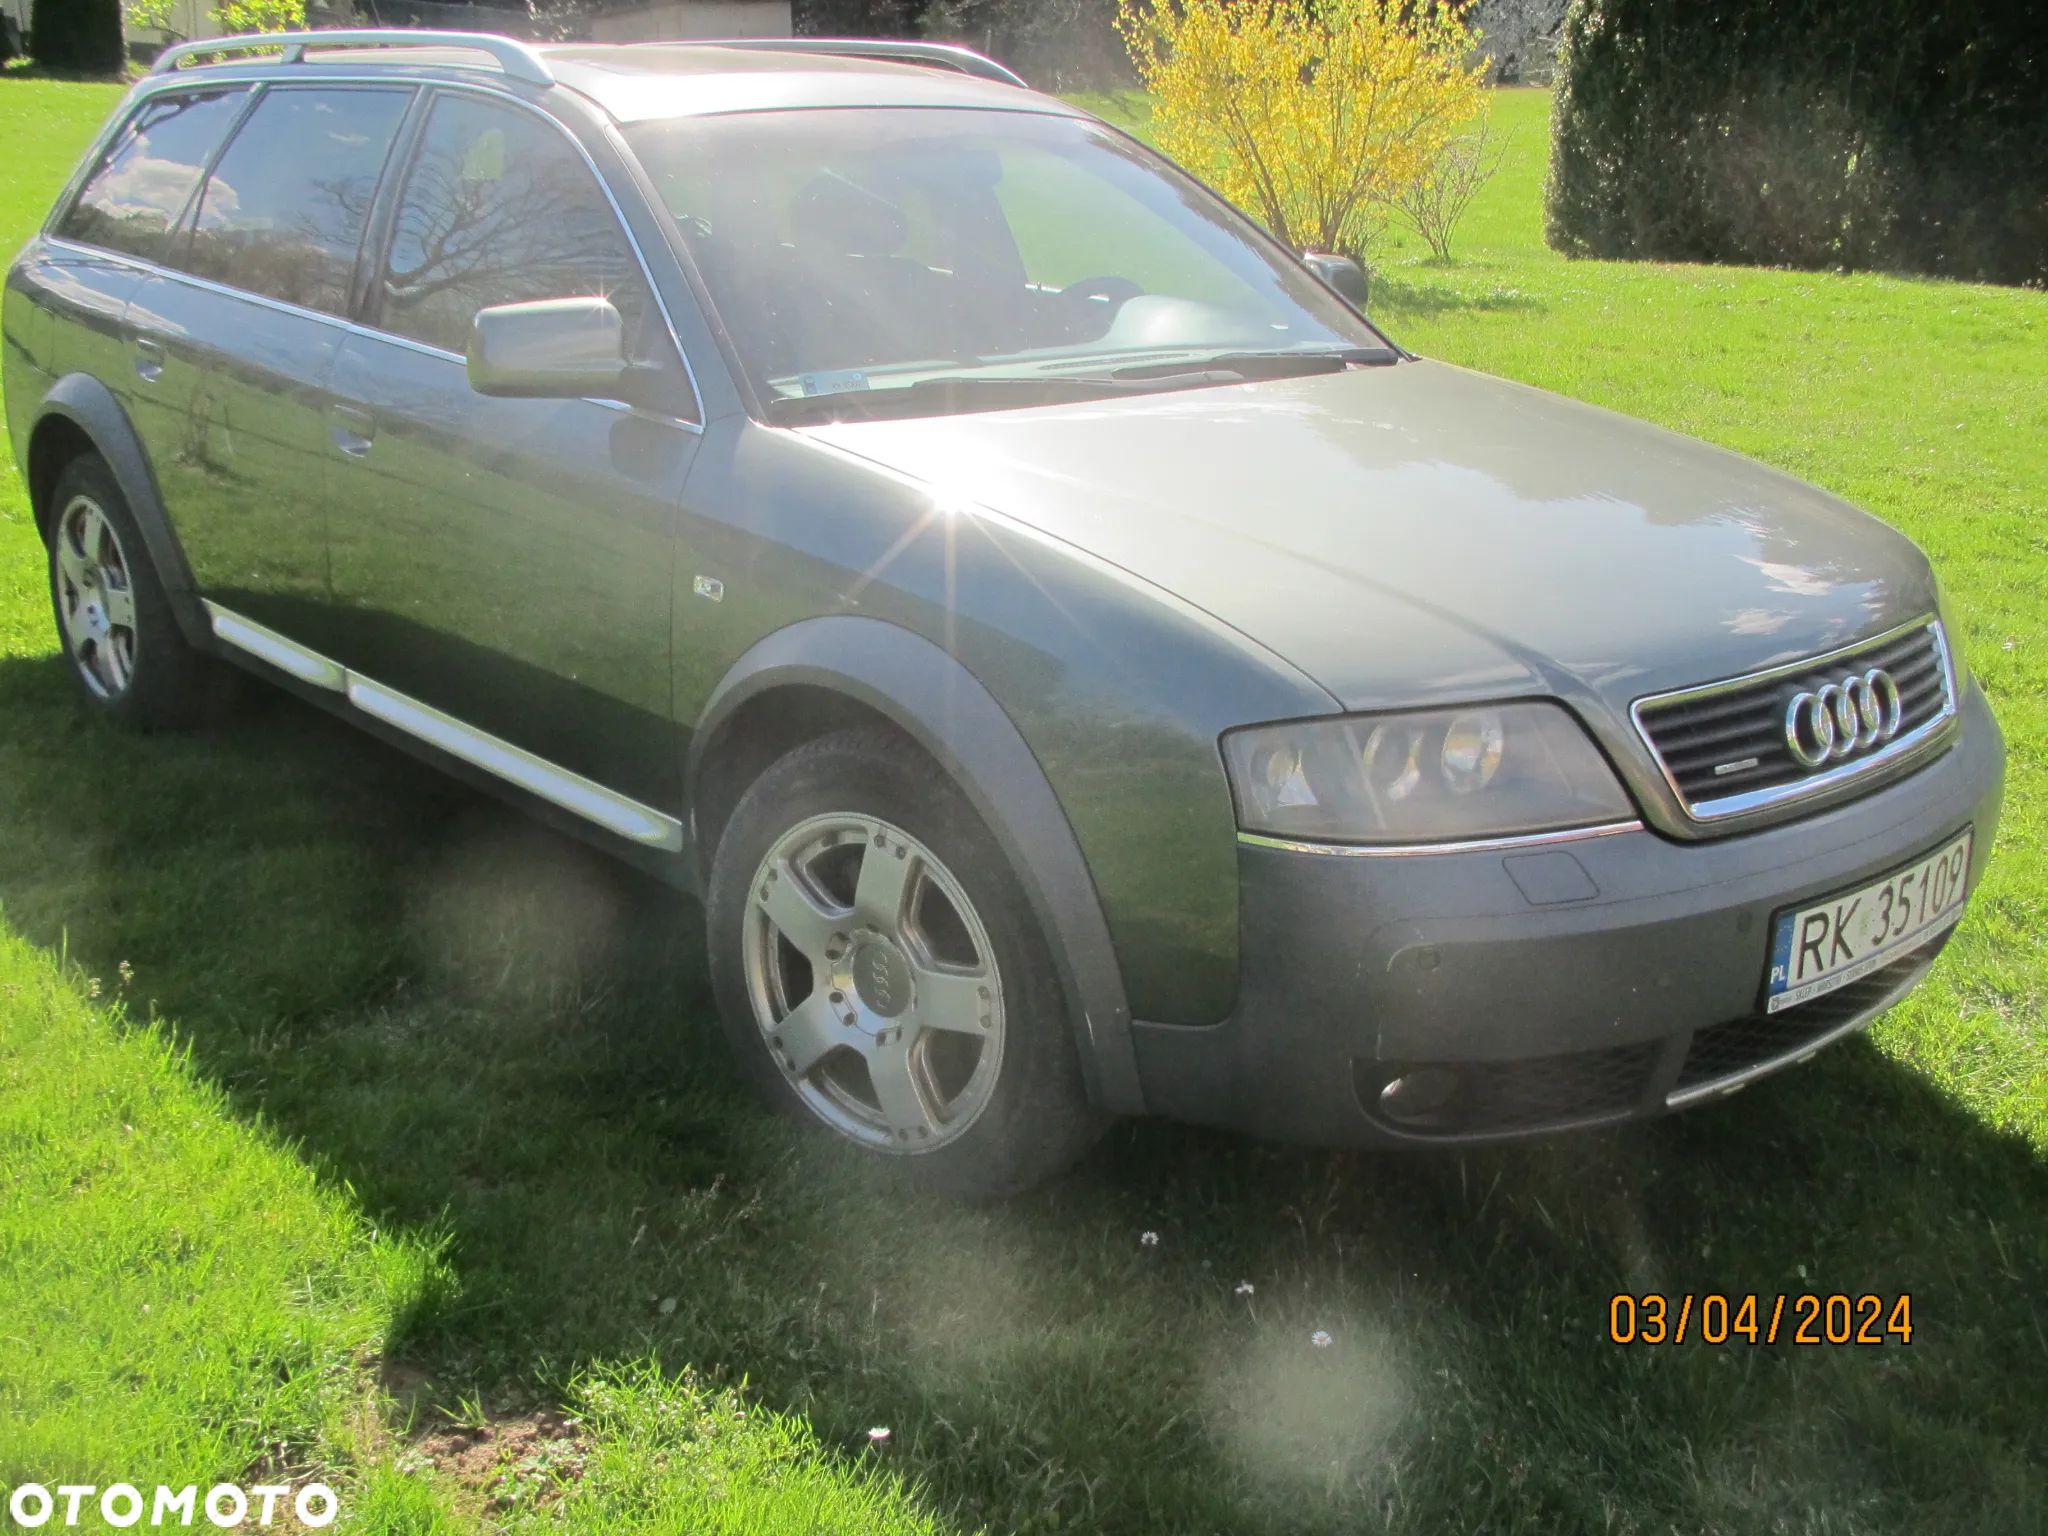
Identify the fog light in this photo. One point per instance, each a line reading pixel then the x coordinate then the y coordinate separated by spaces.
pixel 1417 1096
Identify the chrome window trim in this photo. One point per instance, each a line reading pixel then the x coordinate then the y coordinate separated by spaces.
pixel 282 306
pixel 611 201
pixel 1921 737
pixel 1427 850
pixel 355 327
pixel 104 142
pixel 559 786
pixel 109 134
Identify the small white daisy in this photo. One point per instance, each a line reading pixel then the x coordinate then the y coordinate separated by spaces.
pixel 879 1435
pixel 1149 1239
pixel 1320 1339
pixel 1244 1287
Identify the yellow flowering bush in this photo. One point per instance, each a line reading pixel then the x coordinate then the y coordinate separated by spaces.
pixel 235 16
pixel 1315 118
pixel 240 16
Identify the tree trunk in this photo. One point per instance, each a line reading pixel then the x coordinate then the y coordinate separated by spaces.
pixel 80 37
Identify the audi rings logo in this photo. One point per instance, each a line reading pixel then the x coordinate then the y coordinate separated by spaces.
pixel 1840 719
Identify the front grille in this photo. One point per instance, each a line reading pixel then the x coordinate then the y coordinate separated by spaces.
pixel 1735 1047
pixel 1723 745
pixel 1556 1090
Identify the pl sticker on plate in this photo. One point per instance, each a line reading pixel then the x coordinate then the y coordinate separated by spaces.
pixel 1833 942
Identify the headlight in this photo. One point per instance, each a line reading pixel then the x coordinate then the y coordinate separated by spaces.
pixel 1430 776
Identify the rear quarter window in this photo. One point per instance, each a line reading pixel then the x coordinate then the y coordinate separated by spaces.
pixel 284 209
pixel 135 194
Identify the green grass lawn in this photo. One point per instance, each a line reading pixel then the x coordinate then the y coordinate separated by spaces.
pixel 446 1194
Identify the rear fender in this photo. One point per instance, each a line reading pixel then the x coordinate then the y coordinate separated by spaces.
pixel 91 407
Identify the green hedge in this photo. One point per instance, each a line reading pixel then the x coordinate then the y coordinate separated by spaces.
pixel 81 37
pixel 1902 135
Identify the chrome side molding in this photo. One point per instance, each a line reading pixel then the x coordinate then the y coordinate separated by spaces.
pixel 557 785
pixel 286 655
pixel 1421 850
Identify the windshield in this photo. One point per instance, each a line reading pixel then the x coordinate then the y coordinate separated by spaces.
pixel 924 260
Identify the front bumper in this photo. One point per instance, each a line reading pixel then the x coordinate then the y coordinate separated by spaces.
pixel 1566 985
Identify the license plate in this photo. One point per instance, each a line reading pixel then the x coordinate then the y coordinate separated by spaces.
pixel 1831 943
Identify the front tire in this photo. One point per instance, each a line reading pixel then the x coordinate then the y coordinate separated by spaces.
pixel 126 653
pixel 881 976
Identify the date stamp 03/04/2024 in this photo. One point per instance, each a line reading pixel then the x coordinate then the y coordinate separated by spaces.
pixel 1792 1317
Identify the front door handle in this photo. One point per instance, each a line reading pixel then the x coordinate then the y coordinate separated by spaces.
pixel 149 359
pixel 353 430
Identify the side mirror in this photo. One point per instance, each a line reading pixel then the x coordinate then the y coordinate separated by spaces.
pixel 552 349
pixel 1341 274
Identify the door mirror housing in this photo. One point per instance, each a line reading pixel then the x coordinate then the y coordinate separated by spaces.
pixel 549 349
pixel 1342 275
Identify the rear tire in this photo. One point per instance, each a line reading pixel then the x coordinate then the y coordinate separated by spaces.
pixel 129 658
pixel 881 976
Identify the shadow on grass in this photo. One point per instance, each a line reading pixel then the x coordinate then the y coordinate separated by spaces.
pixel 483 1026
pixel 1399 296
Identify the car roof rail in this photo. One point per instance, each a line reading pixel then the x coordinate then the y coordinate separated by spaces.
pixel 516 59
pixel 943 55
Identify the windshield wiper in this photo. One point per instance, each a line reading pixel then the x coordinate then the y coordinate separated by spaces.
pixel 1279 363
pixel 952 393
pixel 946 392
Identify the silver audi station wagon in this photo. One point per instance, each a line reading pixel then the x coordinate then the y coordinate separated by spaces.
pixel 1084 667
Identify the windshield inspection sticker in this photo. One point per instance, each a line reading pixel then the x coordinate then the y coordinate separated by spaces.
pixel 845 381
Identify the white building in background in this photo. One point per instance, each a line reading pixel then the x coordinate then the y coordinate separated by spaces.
pixel 684 19
pixel 627 21
pixel 188 18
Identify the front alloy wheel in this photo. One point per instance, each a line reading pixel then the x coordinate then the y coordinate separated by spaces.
pixel 881 975
pixel 874 982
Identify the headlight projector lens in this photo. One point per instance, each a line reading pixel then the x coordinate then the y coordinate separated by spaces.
pixel 1473 745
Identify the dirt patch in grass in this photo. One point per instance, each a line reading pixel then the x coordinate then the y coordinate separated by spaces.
pixel 519 1461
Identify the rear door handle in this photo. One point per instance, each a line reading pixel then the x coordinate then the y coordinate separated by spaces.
pixel 149 359
pixel 353 430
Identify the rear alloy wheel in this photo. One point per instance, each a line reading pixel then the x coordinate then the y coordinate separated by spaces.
pixel 881 974
pixel 873 980
pixel 132 662
pixel 95 595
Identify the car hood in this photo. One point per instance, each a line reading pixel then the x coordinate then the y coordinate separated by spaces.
pixel 1423 532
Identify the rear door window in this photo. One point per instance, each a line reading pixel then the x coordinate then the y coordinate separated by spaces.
pixel 135 194
pixel 284 210
pixel 499 208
